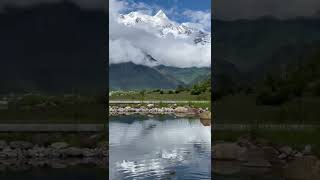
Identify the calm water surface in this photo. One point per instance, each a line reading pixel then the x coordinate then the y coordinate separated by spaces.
pixel 159 147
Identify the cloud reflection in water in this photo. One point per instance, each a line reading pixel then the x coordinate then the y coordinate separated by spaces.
pixel 155 149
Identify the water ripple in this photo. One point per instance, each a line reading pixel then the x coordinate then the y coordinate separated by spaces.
pixel 153 149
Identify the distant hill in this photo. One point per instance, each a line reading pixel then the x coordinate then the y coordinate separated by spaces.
pixel 127 76
pixel 288 57
pixel 132 76
pixel 226 76
pixel 248 43
pixel 186 75
pixel 54 48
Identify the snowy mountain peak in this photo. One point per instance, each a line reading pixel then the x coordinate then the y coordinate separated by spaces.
pixel 161 14
pixel 161 26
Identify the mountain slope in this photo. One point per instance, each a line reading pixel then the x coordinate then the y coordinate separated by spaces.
pixel 186 75
pixel 129 76
pixel 132 76
pixel 298 79
pixel 288 57
pixel 248 43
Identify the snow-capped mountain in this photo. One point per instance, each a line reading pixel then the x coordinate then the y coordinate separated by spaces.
pixel 161 26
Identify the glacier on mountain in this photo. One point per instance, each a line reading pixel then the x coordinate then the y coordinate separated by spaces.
pixel 161 26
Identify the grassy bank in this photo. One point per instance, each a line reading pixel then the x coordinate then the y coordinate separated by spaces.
pixel 193 104
pixel 195 92
pixel 155 95
pixel 164 95
pixel 54 109
pixel 242 108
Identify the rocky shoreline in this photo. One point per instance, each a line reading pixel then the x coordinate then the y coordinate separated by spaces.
pixel 152 109
pixel 21 155
pixel 259 156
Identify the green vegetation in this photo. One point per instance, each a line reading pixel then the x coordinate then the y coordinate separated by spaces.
pixel 158 95
pixel 185 75
pixel 199 91
pixel 202 87
pixel 54 109
pixel 242 108
pixel 291 83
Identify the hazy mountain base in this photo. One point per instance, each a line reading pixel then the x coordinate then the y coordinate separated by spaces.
pixel 188 76
pixel 130 76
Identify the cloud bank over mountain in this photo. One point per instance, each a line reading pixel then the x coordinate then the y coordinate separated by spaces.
pixel 251 9
pixel 178 45
pixel 85 4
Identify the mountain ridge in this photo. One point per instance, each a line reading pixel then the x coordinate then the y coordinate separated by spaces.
pixel 164 27
pixel 128 76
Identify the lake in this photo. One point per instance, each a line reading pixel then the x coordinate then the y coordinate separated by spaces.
pixel 159 147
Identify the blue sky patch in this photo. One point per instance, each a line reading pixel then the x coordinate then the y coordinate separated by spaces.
pixel 174 9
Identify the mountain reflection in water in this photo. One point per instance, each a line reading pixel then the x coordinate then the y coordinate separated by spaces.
pixel 160 147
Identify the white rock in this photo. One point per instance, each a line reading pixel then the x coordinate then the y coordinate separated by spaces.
pixel 59 145
pixel 150 105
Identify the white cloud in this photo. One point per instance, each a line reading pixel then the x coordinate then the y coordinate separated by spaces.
pixel 128 44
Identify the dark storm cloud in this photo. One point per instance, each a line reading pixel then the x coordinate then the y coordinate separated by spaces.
pixel 85 4
pixel 250 9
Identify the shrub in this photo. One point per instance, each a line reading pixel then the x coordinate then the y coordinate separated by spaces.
pixel 142 92
pixel 32 100
pixel 272 98
pixel 180 88
pixel 195 91
pixel 316 89
pixel 248 91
